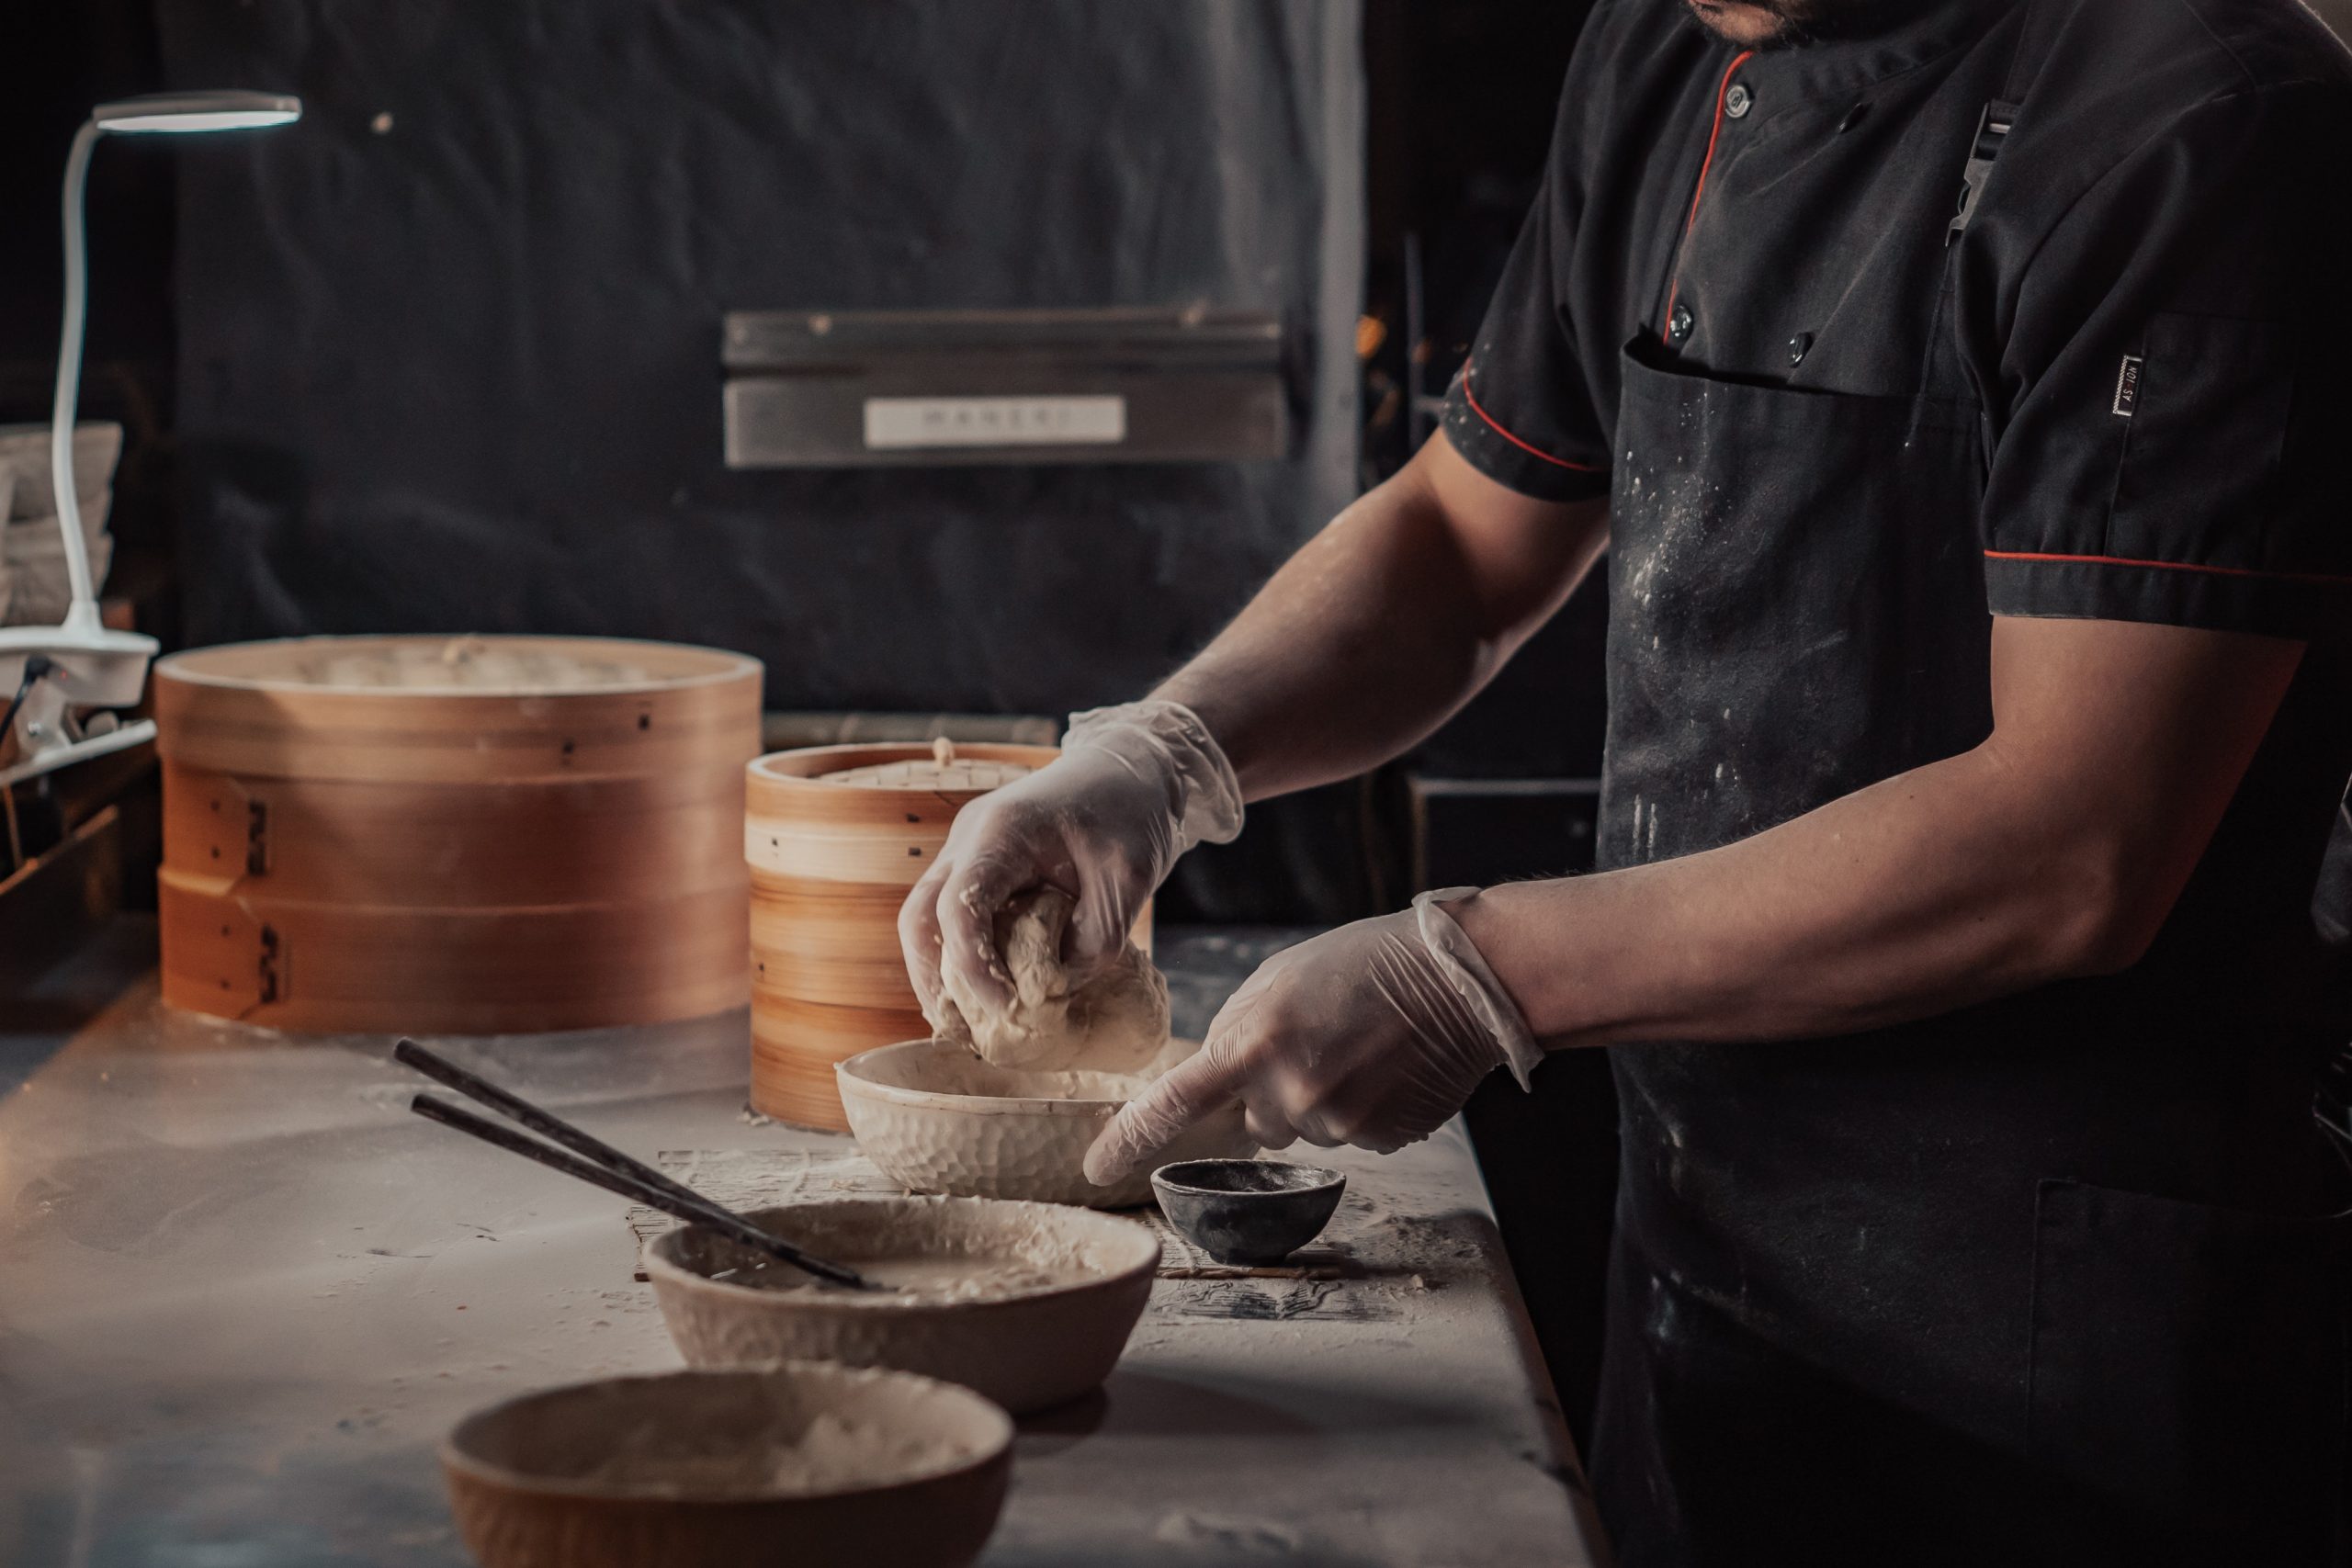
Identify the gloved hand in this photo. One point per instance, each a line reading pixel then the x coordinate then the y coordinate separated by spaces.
pixel 1373 1035
pixel 1134 788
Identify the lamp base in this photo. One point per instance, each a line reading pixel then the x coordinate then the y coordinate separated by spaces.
pixel 64 756
pixel 60 713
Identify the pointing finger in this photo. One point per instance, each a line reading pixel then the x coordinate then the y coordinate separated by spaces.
pixel 1160 1115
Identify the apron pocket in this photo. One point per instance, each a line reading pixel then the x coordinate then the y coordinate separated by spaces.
pixel 2188 1375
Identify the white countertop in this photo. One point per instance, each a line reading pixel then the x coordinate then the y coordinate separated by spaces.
pixel 242 1292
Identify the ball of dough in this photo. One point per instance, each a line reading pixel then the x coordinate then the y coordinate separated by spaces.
pixel 1116 1022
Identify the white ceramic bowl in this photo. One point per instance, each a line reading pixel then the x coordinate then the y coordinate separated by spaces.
pixel 691 1469
pixel 1025 1349
pixel 935 1118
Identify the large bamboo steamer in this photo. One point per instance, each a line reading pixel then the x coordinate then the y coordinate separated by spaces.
pixel 831 862
pixel 454 836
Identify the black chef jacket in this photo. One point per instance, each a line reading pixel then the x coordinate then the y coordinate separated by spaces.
pixel 2029 1280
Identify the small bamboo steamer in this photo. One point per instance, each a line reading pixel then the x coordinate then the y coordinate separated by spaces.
pixel 454 836
pixel 831 860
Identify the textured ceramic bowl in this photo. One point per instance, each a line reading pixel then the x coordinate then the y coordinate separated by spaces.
pixel 1250 1212
pixel 935 1118
pixel 1026 1350
pixel 681 1471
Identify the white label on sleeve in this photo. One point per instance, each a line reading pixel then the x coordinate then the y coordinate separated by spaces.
pixel 901 423
pixel 2127 387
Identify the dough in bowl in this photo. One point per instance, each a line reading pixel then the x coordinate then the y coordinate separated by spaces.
pixel 1116 1022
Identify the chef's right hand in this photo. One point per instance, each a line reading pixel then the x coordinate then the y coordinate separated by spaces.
pixel 1134 788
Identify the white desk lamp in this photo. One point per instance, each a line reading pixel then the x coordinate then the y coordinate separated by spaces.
pixel 56 682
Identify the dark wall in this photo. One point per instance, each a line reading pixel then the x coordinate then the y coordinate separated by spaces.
pixel 1463 97
pixel 66 58
pixel 449 348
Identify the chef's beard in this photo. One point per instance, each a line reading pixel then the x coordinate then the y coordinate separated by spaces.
pixel 1802 22
pixel 1795 22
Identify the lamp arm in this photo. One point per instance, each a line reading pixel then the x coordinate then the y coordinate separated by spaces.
pixel 83 613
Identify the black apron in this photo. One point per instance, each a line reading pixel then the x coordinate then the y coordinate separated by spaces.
pixel 1866 1305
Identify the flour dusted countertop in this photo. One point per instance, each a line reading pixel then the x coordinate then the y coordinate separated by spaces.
pixel 244 1292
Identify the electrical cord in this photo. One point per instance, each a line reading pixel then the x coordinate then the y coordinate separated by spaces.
pixel 36 666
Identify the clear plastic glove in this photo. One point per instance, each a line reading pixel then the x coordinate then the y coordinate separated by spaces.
pixel 1373 1035
pixel 1134 788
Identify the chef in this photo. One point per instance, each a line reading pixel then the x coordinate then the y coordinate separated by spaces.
pixel 1957 390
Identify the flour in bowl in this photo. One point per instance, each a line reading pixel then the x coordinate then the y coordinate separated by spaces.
pixel 916 1279
pixel 833 1454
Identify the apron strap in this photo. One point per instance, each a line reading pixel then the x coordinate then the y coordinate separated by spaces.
pixel 2037 29
pixel 2038 24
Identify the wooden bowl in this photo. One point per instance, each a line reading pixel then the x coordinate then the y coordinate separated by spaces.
pixel 1027 1350
pixel 719 1470
pixel 935 1118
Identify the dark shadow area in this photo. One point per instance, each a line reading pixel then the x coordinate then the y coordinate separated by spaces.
pixel 43 1011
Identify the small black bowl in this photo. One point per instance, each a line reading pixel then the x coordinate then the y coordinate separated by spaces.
pixel 1249 1212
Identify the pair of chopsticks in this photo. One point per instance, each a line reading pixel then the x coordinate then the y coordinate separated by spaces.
pixel 593 1160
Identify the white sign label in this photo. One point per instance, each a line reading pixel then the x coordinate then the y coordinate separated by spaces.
pixel 906 423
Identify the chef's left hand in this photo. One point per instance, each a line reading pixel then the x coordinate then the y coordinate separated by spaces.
pixel 1373 1035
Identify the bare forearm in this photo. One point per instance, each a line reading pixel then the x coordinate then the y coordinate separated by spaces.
pixel 1357 649
pixel 1384 625
pixel 1903 901
pixel 2057 849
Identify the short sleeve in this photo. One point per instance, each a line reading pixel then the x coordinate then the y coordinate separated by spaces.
pixel 1521 412
pixel 2176 424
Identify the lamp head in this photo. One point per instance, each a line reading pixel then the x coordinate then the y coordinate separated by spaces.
pixel 181 113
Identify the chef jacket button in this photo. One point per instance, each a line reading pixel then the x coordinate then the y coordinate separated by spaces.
pixel 1679 325
pixel 1799 346
pixel 1738 101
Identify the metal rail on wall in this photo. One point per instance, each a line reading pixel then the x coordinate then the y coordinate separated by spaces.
pixel 865 389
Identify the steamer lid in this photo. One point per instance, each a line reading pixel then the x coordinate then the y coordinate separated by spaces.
pixel 930 775
pixel 943 770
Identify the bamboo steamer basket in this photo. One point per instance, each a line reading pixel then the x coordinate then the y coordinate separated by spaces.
pixel 831 862
pixel 454 836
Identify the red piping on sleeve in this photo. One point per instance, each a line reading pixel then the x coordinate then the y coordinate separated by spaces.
pixel 2165 566
pixel 1470 397
pixel 1674 294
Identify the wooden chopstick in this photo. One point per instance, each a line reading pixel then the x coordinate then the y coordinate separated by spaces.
pixel 554 1158
pixel 441 1070
pixel 603 1165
